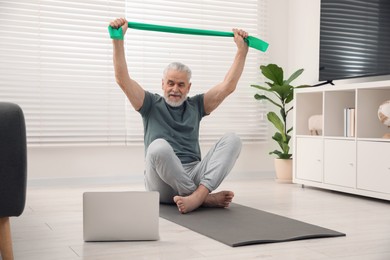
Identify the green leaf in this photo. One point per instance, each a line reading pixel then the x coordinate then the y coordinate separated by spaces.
pixel 288 138
pixel 263 97
pixel 285 147
pixel 277 137
pixel 275 120
pixel 293 76
pixel 270 85
pixel 277 89
pixel 281 155
pixel 289 97
pixel 283 141
pixel 261 88
pixel 278 153
pixel 283 91
pixel 273 72
pixel 285 156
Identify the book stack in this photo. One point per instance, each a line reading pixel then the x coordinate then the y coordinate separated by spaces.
pixel 349 122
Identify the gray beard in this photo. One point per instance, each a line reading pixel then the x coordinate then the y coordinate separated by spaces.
pixel 175 104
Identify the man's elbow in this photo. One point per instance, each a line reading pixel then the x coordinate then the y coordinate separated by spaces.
pixel 231 87
pixel 230 84
pixel 120 79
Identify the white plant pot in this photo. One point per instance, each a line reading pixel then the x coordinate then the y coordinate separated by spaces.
pixel 283 169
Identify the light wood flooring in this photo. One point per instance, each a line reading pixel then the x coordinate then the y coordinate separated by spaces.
pixel 51 225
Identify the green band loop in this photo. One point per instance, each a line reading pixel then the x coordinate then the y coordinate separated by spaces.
pixel 117 34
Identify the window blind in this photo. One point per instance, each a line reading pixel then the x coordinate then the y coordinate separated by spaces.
pixel 56 63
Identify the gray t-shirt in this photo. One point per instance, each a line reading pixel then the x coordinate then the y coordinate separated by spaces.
pixel 179 126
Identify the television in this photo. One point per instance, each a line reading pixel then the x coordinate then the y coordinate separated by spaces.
pixel 354 39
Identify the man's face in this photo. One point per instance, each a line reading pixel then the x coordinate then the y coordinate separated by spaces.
pixel 176 87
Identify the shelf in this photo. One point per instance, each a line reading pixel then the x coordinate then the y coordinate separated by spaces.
pixel 368 101
pixel 337 159
pixel 331 103
pixel 335 104
pixel 306 105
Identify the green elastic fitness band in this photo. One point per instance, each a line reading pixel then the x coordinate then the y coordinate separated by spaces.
pixel 117 34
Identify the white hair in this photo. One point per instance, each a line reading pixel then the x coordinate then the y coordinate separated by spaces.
pixel 178 66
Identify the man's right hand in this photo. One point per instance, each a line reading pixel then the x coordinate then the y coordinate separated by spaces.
pixel 120 22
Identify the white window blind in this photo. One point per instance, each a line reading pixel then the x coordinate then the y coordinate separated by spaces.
pixel 56 63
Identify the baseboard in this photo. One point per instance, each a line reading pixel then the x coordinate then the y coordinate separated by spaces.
pixel 135 178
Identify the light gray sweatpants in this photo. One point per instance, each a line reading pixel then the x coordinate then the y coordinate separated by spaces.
pixel 166 174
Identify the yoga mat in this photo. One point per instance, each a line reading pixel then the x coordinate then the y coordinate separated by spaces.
pixel 252 41
pixel 240 225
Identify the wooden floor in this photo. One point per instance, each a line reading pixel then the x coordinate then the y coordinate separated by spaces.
pixel 51 225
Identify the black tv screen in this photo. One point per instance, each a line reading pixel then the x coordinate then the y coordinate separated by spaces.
pixel 354 39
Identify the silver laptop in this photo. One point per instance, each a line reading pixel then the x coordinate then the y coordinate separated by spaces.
pixel 120 215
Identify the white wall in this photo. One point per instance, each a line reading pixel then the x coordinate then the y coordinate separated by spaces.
pixel 278 19
pixel 304 39
pixel 71 162
pixel 288 48
pixel 295 26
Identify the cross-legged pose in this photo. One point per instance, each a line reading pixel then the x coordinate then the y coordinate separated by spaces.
pixel 174 166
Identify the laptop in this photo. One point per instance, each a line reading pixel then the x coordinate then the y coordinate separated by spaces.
pixel 120 215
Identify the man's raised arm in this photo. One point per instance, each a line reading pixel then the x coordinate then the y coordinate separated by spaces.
pixel 214 97
pixel 134 92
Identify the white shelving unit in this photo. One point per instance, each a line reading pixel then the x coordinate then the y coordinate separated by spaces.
pixel 358 164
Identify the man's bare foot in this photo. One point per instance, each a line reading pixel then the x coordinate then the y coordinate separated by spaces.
pixel 220 199
pixel 189 203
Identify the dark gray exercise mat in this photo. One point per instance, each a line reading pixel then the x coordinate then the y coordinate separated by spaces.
pixel 240 225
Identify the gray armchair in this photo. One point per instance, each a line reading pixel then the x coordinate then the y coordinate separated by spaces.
pixel 13 171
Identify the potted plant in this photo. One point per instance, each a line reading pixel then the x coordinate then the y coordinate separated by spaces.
pixel 284 94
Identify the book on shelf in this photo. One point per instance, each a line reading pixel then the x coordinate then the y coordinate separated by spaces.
pixel 349 122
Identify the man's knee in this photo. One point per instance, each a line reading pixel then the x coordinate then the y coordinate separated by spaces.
pixel 159 148
pixel 234 141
